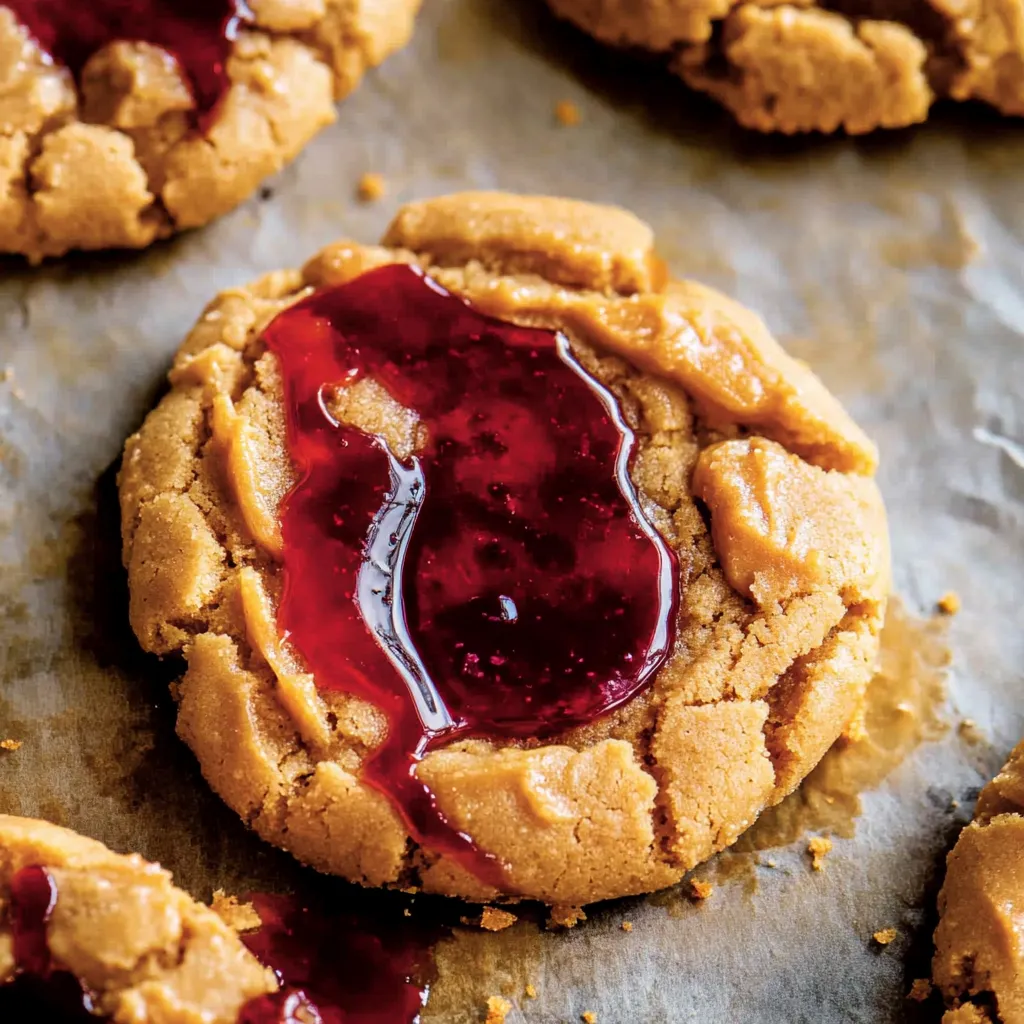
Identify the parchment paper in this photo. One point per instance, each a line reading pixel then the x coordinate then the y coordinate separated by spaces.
pixel 894 264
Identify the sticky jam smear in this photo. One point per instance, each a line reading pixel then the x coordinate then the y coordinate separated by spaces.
pixel 339 966
pixel 503 582
pixel 198 34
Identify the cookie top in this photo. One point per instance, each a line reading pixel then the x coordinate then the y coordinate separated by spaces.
pixel 808 67
pixel 146 951
pixel 107 141
pixel 748 468
pixel 979 958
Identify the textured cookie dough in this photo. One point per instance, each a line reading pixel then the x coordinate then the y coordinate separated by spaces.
pixel 147 951
pixel 782 598
pixel 979 959
pixel 809 66
pixel 114 161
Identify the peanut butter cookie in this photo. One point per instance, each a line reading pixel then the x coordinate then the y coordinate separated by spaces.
pixel 800 67
pixel 121 124
pixel 502 564
pixel 143 951
pixel 979 959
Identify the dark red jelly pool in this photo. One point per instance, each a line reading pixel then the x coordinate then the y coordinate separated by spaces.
pixel 197 33
pixel 503 582
pixel 346 967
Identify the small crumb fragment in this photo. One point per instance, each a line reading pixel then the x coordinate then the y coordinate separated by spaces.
pixel 563 915
pixel 969 732
pixel 372 187
pixel 497 1010
pixel 588 1017
pixel 700 890
pixel 949 603
pixel 885 936
pixel 531 991
pixel 770 864
pixel 10 744
pixel 818 847
pixel 242 917
pixel 406 912
pixel 6 374
pixel 920 990
pixel 626 926
pixel 567 113
pixel 495 920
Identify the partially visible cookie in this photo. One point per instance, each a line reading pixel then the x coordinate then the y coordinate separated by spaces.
pixel 857 65
pixel 146 952
pixel 106 141
pixel 979 959
pixel 749 471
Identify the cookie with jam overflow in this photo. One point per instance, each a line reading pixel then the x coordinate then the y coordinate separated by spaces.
pixel 122 123
pixel 502 565
pixel 857 65
pixel 979 958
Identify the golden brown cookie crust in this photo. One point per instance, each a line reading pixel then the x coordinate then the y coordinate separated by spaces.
pixel 776 637
pixel 147 951
pixel 115 162
pixel 979 958
pixel 855 65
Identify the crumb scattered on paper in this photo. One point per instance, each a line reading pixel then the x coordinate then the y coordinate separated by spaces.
pixel 567 113
pixel 242 917
pixel 10 744
pixel 920 990
pixel 949 603
pixel 588 1017
pixel 372 187
pixel 627 926
pixel 818 847
pixel 700 890
pixel 531 991
pixel 564 916
pixel 497 1010
pixel 885 936
pixel 495 920
pixel 969 732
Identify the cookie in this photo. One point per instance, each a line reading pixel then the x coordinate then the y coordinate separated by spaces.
pixel 720 577
pixel 117 129
pixel 806 67
pixel 143 950
pixel 979 958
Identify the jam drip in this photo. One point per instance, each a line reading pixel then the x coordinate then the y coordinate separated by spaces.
pixel 39 992
pixel 197 33
pixel 504 582
pixel 339 967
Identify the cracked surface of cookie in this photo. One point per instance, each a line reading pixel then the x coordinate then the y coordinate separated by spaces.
pixel 745 464
pixel 115 158
pixel 824 65
pixel 146 951
pixel 979 959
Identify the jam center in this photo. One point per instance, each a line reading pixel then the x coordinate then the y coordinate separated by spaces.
pixel 502 582
pixel 198 34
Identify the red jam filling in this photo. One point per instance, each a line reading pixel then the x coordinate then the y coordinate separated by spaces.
pixel 339 967
pixel 503 582
pixel 198 34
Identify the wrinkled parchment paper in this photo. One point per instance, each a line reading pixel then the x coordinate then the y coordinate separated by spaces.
pixel 895 265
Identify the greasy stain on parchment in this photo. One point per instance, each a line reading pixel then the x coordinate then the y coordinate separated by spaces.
pixel 903 709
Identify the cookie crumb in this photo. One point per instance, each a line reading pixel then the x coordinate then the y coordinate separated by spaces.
pixel 818 847
pixel 920 990
pixel 626 926
pixel 949 603
pixel 588 1017
pixel 495 920
pixel 969 732
pixel 770 864
pixel 700 890
pixel 241 917
pixel 565 916
pixel 885 936
pixel 567 113
pixel 6 374
pixel 372 187
pixel 406 912
pixel 531 991
pixel 10 744
pixel 497 1010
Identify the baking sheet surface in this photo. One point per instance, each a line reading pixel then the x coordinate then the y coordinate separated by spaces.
pixel 895 265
